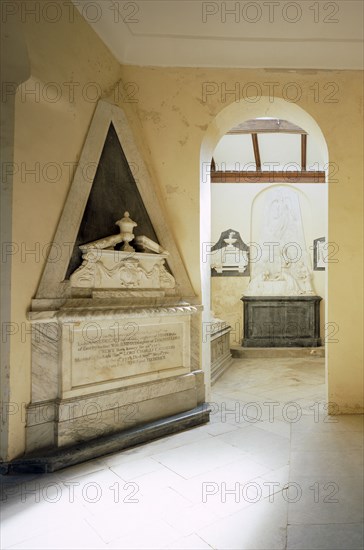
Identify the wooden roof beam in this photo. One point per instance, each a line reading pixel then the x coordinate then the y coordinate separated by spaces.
pixel 303 151
pixel 270 126
pixel 256 152
pixel 268 176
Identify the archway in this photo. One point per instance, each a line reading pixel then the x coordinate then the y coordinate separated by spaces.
pixel 231 115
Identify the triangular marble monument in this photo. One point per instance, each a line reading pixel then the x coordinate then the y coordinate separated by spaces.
pixel 113 192
pixel 95 202
pixel 115 322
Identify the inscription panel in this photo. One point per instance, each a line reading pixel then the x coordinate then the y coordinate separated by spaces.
pixel 106 351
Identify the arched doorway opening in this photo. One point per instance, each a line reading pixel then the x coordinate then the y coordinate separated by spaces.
pixel 229 117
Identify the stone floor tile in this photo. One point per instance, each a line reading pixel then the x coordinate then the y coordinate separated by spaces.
pixel 326 441
pixel 153 536
pixel 132 469
pixel 326 499
pixel 342 536
pixel 200 457
pixel 78 535
pixel 333 463
pixel 192 542
pixel 260 526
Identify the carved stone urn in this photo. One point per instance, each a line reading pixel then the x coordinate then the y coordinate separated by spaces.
pixel 126 225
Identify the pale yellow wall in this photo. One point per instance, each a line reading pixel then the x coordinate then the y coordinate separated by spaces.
pixel 175 117
pixel 49 136
pixel 170 119
pixel 235 206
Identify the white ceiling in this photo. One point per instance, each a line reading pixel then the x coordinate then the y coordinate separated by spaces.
pixel 277 152
pixel 303 34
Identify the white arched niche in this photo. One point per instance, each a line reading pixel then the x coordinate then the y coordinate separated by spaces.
pixel 230 116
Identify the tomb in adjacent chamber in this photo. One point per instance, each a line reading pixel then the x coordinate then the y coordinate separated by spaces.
pixel 280 304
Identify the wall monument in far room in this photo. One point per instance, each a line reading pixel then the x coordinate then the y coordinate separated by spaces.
pixel 280 304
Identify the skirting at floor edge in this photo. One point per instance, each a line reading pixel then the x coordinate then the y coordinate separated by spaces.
pixel 62 457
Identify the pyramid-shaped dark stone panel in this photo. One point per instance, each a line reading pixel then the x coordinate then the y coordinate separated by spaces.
pixel 113 192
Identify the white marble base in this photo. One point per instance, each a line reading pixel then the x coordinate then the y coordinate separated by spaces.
pixel 81 419
pixel 102 369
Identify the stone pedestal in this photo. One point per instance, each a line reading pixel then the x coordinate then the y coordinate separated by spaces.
pixel 101 366
pixel 120 351
pixel 281 321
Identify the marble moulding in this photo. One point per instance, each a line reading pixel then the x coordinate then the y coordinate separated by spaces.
pixel 122 351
